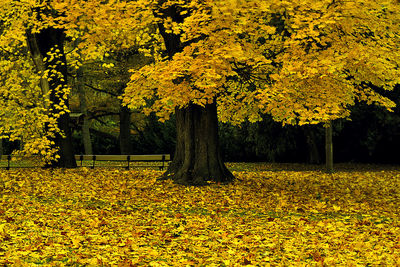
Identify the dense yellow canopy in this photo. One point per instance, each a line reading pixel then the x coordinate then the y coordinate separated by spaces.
pixel 300 61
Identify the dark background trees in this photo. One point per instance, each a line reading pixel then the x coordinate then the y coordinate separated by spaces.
pixel 371 136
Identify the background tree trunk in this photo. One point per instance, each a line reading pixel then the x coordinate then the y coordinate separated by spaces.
pixel 197 157
pixel 328 148
pixel 1 147
pixel 87 142
pixel 40 45
pixel 314 155
pixel 125 130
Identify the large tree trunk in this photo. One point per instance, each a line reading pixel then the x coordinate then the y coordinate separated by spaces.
pixel 197 157
pixel 40 45
pixel 328 147
pixel 66 152
pixel 125 130
pixel 87 142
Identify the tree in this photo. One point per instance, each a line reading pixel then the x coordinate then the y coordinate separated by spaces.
pixel 318 58
pixel 1 148
pixel 90 24
pixel 210 48
pixel 87 142
pixel 336 53
pixel 42 44
pixel 40 94
pixel 108 48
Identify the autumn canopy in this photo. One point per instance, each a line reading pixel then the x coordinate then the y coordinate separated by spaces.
pixel 303 62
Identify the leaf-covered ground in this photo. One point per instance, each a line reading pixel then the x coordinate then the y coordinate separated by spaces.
pixel 114 217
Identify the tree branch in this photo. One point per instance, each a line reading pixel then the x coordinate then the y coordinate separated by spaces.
pixel 100 90
pixel 97 116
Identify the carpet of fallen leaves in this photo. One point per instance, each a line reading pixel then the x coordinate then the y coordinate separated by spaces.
pixel 115 217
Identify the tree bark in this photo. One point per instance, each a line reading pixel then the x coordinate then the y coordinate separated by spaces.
pixel 40 66
pixel 125 130
pixel 40 45
pixel 314 155
pixel 197 157
pixel 87 142
pixel 1 147
pixel 328 148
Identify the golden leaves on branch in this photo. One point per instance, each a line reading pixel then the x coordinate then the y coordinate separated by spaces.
pixel 300 61
pixel 333 55
pixel 309 71
pixel 203 70
pixel 25 109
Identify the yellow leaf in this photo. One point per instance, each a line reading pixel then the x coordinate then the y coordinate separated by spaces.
pixel 336 208
pixel 76 240
pixel 2 228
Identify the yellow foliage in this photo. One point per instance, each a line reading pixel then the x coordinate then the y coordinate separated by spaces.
pixel 307 61
pixel 303 62
pixel 334 53
pixel 278 218
pixel 27 112
pixel 222 43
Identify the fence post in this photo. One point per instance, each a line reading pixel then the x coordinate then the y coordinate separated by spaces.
pixel 128 158
pixel 8 162
pixel 163 160
pixel 94 160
